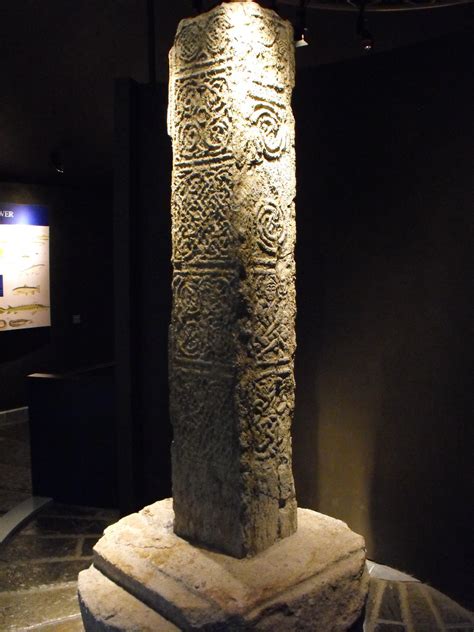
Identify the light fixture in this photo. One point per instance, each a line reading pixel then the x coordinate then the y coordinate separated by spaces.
pixel 362 7
pixel 376 5
pixel 57 160
pixel 301 33
pixel 366 39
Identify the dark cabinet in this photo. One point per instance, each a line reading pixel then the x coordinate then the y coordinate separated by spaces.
pixel 73 436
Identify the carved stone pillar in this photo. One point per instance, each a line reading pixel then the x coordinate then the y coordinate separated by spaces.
pixel 232 338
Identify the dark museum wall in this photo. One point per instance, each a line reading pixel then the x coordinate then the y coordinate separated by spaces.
pixel 383 432
pixel 81 277
pixel 142 229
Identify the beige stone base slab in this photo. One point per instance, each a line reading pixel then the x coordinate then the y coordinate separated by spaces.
pixel 314 580
pixel 105 607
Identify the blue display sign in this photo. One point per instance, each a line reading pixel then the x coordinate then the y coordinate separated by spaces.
pixel 28 214
pixel 1 284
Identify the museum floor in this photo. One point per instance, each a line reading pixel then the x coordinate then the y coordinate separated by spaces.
pixel 39 565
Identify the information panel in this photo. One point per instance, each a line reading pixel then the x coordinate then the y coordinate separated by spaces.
pixel 24 266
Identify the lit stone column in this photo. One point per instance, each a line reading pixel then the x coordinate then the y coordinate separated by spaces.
pixel 232 338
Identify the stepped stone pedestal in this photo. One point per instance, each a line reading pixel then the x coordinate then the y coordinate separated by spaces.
pixel 145 578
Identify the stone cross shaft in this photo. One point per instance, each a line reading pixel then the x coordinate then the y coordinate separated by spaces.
pixel 232 338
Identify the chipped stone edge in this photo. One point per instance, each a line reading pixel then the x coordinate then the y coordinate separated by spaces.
pixel 176 602
pixel 100 615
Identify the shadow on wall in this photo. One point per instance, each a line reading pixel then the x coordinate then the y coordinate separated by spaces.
pixel 382 429
pixel 307 361
pixel 422 479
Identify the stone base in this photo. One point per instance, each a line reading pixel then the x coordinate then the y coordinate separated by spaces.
pixel 147 578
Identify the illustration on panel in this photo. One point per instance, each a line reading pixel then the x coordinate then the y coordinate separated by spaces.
pixel 24 267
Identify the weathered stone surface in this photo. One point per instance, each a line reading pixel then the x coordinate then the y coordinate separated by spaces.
pixel 232 337
pixel 105 607
pixel 313 580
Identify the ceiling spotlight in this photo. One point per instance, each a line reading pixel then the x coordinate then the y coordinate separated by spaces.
pixel 366 39
pixel 302 39
pixel 301 32
pixel 57 161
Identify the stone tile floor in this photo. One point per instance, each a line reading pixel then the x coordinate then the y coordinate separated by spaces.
pixel 398 603
pixel 15 469
pixel 40 564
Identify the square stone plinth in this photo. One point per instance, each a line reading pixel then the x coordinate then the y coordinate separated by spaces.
pixel 314 580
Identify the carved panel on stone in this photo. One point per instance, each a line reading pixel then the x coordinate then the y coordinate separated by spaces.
pixel 202 215
pixel 204 406
pixel 204 315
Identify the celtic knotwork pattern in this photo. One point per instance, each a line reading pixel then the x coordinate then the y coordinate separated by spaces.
pixel 271 227
pixel 203 40
pixel 232 337
pixel 204 406
pixel 271 399
pixel 204 316
pixel 217 34
pixel 201 214
pixel 271 135
pixel 265 224
pixel 189 41
pixel 204 120
pixel 268 324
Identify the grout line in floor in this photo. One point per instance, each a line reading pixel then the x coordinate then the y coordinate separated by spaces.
pixel 48 560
